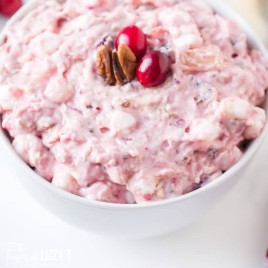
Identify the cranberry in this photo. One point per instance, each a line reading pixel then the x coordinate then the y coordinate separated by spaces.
pixel 9 7
pixel 134 38
pixel 148 197
pixel 153 69
pixel 187 130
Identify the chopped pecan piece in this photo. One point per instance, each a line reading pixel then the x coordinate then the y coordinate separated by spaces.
pixel 173 116
pixel 104 64
pixel 126 104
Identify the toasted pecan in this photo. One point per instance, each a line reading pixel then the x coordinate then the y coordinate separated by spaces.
pixel 118 71
pixel 116 67
pixel 128 61
pixel 104 64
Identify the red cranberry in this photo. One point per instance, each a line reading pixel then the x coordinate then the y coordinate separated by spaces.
pixel 153 69
pixel 134 38
pixel 148 197
pixel 187 130
pixel 9 7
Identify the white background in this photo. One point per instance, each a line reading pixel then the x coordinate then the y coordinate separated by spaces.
pixel 233 235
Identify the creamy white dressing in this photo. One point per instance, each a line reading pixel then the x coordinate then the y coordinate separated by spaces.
pixel 74 130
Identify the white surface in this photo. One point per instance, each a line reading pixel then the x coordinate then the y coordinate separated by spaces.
pixel 233 235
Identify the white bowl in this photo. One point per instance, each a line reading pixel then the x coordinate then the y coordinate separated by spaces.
pixel 140 220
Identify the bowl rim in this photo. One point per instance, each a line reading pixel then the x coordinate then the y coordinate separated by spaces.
pixel 253 39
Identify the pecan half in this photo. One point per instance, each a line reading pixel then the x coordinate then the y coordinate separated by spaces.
pixel 118 71
pixel 104 64
pixel 128 61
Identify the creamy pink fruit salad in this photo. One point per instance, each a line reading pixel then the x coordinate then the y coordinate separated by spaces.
pixel 78 133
